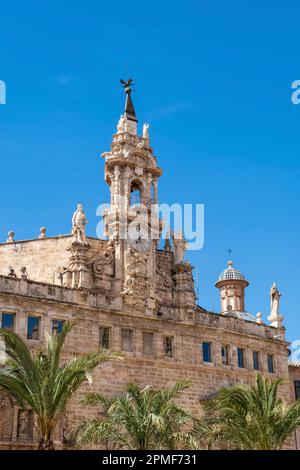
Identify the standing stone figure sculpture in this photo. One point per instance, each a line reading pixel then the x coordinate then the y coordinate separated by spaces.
pixel 146 131
pixel 275 317
pixel 275 298
pixel 79 222
pixel 23 423
pixel 180 246
pixel 121 124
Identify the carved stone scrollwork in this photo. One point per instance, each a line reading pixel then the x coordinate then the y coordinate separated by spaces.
pixel 135 282
pixel 102 261
pixel 165 278
pixel 153 300
pixel 6 416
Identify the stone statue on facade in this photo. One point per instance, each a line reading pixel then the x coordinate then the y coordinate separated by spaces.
pixel 23 423
pixel 146 130
pixel 180 246
pixel 275 298
pixel 79 222
pixel 121 124
pixel 275 317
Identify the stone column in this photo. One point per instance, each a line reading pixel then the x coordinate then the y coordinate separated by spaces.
pixel 155 195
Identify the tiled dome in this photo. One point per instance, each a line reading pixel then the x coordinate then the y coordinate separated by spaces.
pixel 230 274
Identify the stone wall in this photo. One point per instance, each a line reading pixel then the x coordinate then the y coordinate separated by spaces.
pixel 43 258
pixel 294 374
pixel 92 311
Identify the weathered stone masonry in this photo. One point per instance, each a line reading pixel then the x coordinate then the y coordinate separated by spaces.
pixel 130 296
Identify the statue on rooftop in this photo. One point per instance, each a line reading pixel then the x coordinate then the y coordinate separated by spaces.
pixel 275 317
pixel 275 298
pixel 79 222
pixel 146 130
pixel 121 124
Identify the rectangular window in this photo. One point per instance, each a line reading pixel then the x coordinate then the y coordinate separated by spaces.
pixel 255 360
pixel 206 351
pixel 126 336
pixel 225 355
pixel 104 337
pixel 8 321
pixel 241 357
pixel 57 326
pixel 297 389
pixel 168 346
pixel 33 327
pixel 270 363
pixel 148 343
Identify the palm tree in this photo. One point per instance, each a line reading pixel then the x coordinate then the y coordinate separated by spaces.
pixel 245 417
pixel 141 419
pixel 40 381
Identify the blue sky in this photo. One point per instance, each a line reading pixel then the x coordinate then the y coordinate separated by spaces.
pixel 213 78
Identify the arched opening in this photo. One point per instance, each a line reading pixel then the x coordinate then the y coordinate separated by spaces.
pixel 135 194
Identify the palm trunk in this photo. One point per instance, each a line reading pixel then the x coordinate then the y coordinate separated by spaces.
pixel 46 444
pixel 45 441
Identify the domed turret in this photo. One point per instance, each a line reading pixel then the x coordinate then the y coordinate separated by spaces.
pixel 232 283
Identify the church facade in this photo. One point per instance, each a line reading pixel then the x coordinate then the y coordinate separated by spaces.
pixel 127 294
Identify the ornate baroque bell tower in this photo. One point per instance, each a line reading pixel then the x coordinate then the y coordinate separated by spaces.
pixel 132 173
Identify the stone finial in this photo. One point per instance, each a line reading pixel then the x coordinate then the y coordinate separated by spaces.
pixel 43 231
pixel 11 236
pixel 259 318
pixel 11 273
pixel 24 274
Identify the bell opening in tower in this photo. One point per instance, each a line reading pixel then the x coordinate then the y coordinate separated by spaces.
pixel 135 194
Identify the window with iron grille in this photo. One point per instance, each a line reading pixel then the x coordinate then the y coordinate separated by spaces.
pixel 270 360
pixel 241 357
pixel 168 346
pixel 297 389
pixel 225 355
pixel 104 337
pixel 255 360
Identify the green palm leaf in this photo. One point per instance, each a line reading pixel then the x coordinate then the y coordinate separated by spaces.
pixel 246 417
pixel 142 418
pixel 40 380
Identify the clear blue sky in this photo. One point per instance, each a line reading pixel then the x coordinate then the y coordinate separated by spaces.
pixel 213 78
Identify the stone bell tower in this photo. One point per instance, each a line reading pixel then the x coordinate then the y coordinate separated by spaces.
pixel 132 173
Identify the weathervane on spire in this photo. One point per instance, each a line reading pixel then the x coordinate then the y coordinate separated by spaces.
pixel 129 108
pixel 127 85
